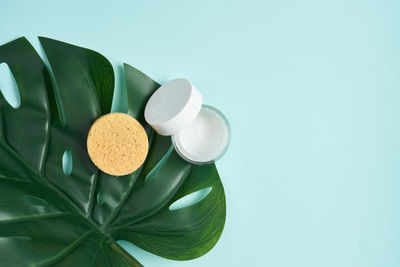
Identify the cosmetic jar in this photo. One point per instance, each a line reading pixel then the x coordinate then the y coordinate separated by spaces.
pixel 200 133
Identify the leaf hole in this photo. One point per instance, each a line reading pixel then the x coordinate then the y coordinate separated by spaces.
pixel 17 237
pixel 101 197
pixel 159 165
pixel 36 201
pixel 67 162
pixel 9 87
pixel 190 199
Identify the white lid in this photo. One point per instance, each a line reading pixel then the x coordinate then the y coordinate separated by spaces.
pixel 173 106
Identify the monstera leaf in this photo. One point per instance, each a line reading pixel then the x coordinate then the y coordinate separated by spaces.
pixel 52 217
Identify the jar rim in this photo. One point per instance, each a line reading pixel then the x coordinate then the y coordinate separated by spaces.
pixel 228 127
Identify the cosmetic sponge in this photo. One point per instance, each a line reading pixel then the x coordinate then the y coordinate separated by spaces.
pixel 117 144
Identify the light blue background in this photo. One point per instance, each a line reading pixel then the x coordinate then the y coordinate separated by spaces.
pixel 312 90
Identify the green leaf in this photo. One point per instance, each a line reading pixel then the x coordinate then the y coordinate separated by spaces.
pixel 48 218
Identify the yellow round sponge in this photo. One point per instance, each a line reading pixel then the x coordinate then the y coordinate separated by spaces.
pixel 117 144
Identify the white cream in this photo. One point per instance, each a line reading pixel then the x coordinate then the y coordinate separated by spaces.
pixel 205 139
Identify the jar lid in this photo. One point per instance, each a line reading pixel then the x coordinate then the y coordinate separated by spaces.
pixel 173 106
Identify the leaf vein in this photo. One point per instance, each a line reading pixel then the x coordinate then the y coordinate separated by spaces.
pixel 62 253
pixel 34 217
